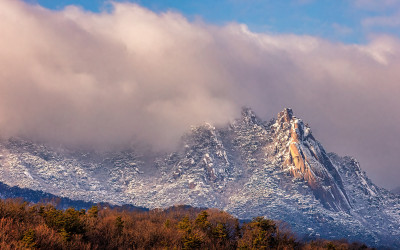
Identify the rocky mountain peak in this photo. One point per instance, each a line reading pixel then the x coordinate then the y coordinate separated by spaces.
pixel 298 130
pixel 249 116
pixel 307 160
pixel 285 115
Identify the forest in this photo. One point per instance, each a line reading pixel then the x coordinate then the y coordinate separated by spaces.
pixel 42 226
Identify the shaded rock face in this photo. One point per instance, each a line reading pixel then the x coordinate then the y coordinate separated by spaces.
pixel 307 160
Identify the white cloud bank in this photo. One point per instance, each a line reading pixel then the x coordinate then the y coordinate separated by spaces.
pixel 86 79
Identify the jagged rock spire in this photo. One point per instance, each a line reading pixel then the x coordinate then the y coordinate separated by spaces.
pixel 285 115
pixel 307 160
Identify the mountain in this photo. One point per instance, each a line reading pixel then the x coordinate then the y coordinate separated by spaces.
pixel 39 196
pixel 35 196
pixel 248 168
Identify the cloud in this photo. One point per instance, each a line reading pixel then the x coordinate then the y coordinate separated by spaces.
pixel 303 1
pixel 341 29
pixel 391 21
pixel 107 79
pixel 376 5
pixel 387 14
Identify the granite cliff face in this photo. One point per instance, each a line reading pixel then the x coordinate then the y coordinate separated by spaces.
pixel 248 168
pixel 307 160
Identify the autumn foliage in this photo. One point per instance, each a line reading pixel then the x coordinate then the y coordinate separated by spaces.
pixel 42 226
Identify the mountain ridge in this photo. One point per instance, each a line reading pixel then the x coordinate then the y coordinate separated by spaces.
pixel 249 168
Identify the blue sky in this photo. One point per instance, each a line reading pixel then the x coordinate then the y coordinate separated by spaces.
pixel 337 20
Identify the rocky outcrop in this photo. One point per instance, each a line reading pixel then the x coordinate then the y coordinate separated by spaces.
pixel 307 160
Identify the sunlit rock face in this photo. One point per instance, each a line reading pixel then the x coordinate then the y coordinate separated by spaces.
pixel 307 160
pixel 249 168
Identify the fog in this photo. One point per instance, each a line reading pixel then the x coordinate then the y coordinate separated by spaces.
pixel 131 75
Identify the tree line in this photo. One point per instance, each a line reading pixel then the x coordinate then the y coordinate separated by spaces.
pixel 43 226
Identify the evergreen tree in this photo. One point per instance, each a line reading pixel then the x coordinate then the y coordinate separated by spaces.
pixel 202 222
pixel 93 211
pixel 29 239
pixel 119 225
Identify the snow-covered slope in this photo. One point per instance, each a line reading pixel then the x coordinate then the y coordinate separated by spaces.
pixel 249 168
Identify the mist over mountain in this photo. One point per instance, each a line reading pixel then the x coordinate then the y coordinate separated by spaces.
pixel 248 168
pixel 144 107
pixel 103 80
pixel 396 190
